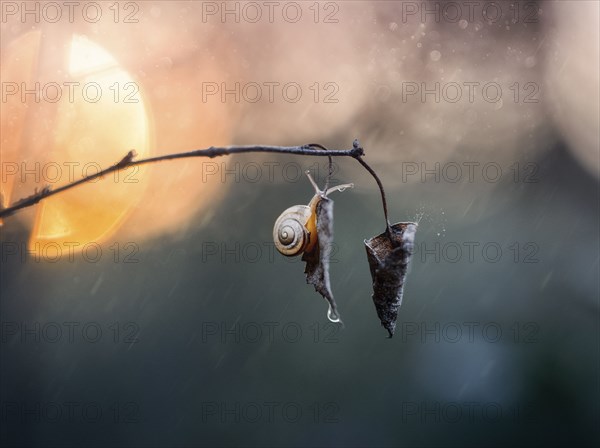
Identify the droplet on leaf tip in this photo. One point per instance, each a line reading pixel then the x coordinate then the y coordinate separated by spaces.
pixel 332 315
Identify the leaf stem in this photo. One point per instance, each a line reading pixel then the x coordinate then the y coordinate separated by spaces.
pixel 360 160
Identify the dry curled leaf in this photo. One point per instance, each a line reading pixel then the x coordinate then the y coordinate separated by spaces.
pixel 389 256
pixel 317 261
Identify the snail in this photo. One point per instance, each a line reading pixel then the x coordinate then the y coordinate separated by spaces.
pixel 295 231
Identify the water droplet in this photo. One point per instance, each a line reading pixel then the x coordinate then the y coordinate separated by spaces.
pixel 419 45
pixel 332 315
pixel 530 62
pixel 435 55
pixel 383 93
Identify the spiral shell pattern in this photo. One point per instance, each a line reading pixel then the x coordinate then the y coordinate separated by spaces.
pixel 289 233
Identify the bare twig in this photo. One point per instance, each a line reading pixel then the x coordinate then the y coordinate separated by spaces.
pixel 127 161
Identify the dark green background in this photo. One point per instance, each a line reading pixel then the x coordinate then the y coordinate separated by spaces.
pixel 366 383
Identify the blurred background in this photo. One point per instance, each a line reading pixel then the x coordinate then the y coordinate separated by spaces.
pixel 151 308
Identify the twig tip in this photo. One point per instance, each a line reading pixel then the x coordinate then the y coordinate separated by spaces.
pixel 357 149
pixel 128 158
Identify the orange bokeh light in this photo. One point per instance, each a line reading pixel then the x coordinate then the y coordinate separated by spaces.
pixel 103 112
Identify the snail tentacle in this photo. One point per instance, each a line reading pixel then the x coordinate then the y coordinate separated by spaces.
pixel 295 231
pixel 339 188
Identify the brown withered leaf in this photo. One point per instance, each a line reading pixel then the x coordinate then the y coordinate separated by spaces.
pixel 317 261
pixel 389 256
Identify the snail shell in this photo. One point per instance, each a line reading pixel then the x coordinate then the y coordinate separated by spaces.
pixel 295 230
pixel 290 233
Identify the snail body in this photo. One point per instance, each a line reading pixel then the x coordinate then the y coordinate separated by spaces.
pixel 295 231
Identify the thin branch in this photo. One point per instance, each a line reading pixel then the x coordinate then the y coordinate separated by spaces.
pixel 360 160
pixel 127 161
